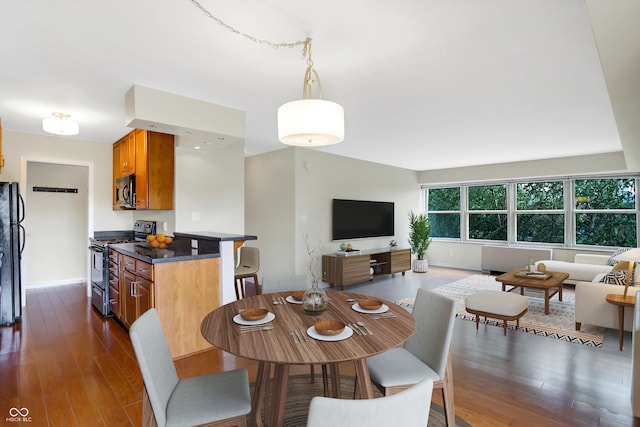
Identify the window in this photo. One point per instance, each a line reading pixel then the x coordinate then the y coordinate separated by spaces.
pixel 443 207
pixel 604 212
pixel 487 212
pixel 567 212
pixel 540 212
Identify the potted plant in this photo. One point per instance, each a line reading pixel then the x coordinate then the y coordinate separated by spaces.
pixel 419 232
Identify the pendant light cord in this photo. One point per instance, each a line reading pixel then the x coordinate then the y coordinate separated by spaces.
pixel 254 39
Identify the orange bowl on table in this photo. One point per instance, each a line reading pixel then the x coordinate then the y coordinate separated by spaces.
pixel 254 313
pixel 297 295
pixel 369 304
pixel 329 327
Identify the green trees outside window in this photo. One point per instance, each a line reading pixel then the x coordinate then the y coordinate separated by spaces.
pixel 568 212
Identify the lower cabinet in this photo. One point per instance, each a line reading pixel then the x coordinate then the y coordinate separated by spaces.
pixel 183 292
pixel 136 291
pixel 367 265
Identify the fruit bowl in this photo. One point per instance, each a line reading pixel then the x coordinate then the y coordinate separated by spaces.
pixel 254 313
pixel 329 327
pixel 159 241
pixel 369 304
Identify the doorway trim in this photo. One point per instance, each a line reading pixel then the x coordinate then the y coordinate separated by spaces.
pixel 24 163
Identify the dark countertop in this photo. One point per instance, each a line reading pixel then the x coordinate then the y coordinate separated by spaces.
pixel 174 253
pixel 211 235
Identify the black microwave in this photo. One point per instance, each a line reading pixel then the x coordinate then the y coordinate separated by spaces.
pixel 126 191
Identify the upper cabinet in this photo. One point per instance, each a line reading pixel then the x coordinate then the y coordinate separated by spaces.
pixel 151 157
pixel 124 156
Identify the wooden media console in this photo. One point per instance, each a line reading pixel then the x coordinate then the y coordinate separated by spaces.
pixel 367 265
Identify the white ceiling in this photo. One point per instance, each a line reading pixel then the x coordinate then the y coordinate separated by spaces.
pixel 425 84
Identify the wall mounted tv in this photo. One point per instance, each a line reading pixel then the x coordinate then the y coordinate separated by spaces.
pixel 354 219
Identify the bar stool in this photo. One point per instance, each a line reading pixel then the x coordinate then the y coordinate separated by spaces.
pixel 248 266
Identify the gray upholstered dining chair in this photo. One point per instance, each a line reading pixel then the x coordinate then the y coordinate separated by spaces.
pixel 216 399
pixel 409 408
pixel 424 355
pixel 248 266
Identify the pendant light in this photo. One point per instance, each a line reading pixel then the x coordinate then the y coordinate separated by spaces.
pixel 310 122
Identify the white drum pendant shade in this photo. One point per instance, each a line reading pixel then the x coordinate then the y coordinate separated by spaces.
pixel 310 123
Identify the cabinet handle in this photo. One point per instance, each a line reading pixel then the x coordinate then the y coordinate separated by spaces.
pixel 134 293
pixel 112 301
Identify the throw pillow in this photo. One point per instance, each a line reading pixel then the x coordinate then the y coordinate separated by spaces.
pixel 612 259
pixel 617 277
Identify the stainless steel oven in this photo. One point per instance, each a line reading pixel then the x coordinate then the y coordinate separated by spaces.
pixel 99 252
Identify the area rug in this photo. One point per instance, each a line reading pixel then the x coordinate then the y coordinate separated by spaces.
pixel 300 391
pixel 558 324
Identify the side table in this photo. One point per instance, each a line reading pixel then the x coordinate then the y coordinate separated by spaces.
pixel 621 301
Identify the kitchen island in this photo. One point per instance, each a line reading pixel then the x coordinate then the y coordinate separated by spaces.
pixel 182 281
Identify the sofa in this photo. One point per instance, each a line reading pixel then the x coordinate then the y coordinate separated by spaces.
pixel 584 268
pixel 591 306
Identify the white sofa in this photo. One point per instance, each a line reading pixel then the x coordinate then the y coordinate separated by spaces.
pixel 584 268
pixel 592 307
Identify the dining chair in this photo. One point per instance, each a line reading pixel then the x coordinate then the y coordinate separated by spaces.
pixel 220 399
pixel 408 408
pixel 425 355
pixel 248 266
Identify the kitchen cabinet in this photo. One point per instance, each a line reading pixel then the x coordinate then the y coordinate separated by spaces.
pixel 114 283
pixel 136 289
pixel 367 265
pixel 124 156
pixel 151 157
pixel 183 292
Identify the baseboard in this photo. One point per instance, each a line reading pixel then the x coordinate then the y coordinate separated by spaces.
pixel 56 283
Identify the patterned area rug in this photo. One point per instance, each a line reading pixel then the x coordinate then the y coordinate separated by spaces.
pixel 558 324
pixel 300 391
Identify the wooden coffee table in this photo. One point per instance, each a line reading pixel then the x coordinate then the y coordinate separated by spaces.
pixel 552 282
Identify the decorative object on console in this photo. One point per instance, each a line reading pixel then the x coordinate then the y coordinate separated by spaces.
pixel 419 232
pixel 393 243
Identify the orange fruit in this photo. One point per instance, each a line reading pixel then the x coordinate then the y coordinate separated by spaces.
pixel 162 245
pixel 151 237
pixel 154 243
pixel 168 239
pixel 160 237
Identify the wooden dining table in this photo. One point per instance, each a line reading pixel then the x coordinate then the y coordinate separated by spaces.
pixel 281 347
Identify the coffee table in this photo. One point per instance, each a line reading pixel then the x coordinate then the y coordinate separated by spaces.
pixel 552 282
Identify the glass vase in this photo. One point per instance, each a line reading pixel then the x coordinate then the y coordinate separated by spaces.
pixel 315 300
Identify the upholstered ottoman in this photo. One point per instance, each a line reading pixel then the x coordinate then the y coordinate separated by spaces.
pixel 497 305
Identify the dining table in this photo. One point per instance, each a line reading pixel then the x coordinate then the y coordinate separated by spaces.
pixel 287 337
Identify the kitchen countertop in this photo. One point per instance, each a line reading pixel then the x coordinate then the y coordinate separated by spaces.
pixel 211 235
pixel 174 253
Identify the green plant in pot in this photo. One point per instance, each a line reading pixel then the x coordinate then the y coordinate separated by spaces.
pixel 419 240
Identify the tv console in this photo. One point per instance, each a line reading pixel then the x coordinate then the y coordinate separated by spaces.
pixel 369 264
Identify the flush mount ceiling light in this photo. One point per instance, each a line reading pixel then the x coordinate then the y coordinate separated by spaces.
pixel 306 122
pixel 310 122
pixel 60 124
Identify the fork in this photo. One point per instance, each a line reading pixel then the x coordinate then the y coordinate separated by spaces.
pixel 384 316
pixel 296 340
pixel 255 328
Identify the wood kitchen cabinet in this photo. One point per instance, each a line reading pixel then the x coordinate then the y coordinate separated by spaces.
pixel 183 293
pixel 367 265
pixel 136 289
pixel 151 157
pixel 114 283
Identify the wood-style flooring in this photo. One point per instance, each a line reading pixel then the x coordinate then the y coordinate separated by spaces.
pixel 70 367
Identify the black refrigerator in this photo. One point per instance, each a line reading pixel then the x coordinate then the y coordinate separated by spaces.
pixel 12 237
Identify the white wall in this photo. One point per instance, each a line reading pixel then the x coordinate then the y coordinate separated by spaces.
pixel 316 178
pixel 56 224
pixel 210 189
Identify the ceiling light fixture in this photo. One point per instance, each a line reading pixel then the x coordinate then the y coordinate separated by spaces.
pixel 307 122
pixel 60 124
pixel 310 122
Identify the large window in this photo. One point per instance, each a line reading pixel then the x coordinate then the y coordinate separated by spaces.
pixel 568 212
pixel 487 212
pixel 443 206
pixel 604 210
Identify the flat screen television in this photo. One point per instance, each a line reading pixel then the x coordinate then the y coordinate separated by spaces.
pixel 355 219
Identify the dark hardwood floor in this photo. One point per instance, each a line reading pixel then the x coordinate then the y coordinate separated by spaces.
pixel 69 366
